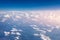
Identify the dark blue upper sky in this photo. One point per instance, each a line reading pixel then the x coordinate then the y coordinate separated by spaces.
pixel 29 4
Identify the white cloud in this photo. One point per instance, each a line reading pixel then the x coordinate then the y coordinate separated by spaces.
pixel 7 16
pixel 17 33
pixel 51 17
pixel 17 38
pixel 42 31
pixel 35 28
pixel 44 37
pixel 33 25
pixel 36 34
pixel 45 17
pixel 49 30
pixel 13 33
pixel 14 29
pixel 6 33
pixel 27 15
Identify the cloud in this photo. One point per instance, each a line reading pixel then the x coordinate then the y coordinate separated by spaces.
pixel 7 16
pixel 42 31
pixel 43 37
pixel 17 33
pixel 36 28
pixel 17 38
pixel 14 31
pixel 36 34
pixel 48 18
pixel 6 33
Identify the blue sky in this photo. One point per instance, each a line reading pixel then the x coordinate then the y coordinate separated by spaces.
pixel 29 4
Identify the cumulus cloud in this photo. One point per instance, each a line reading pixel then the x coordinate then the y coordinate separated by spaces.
pixel 14 31
pixel 36 34
pixel 44 37
pixel 17 38
pixel 17 33
pixel 6 33
pixel 42 31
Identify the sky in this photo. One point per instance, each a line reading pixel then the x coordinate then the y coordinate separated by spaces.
pixel 29 4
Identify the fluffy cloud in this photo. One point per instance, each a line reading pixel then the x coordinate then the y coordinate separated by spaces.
pixel 14 31
pixel 6 33
pixel 43 37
